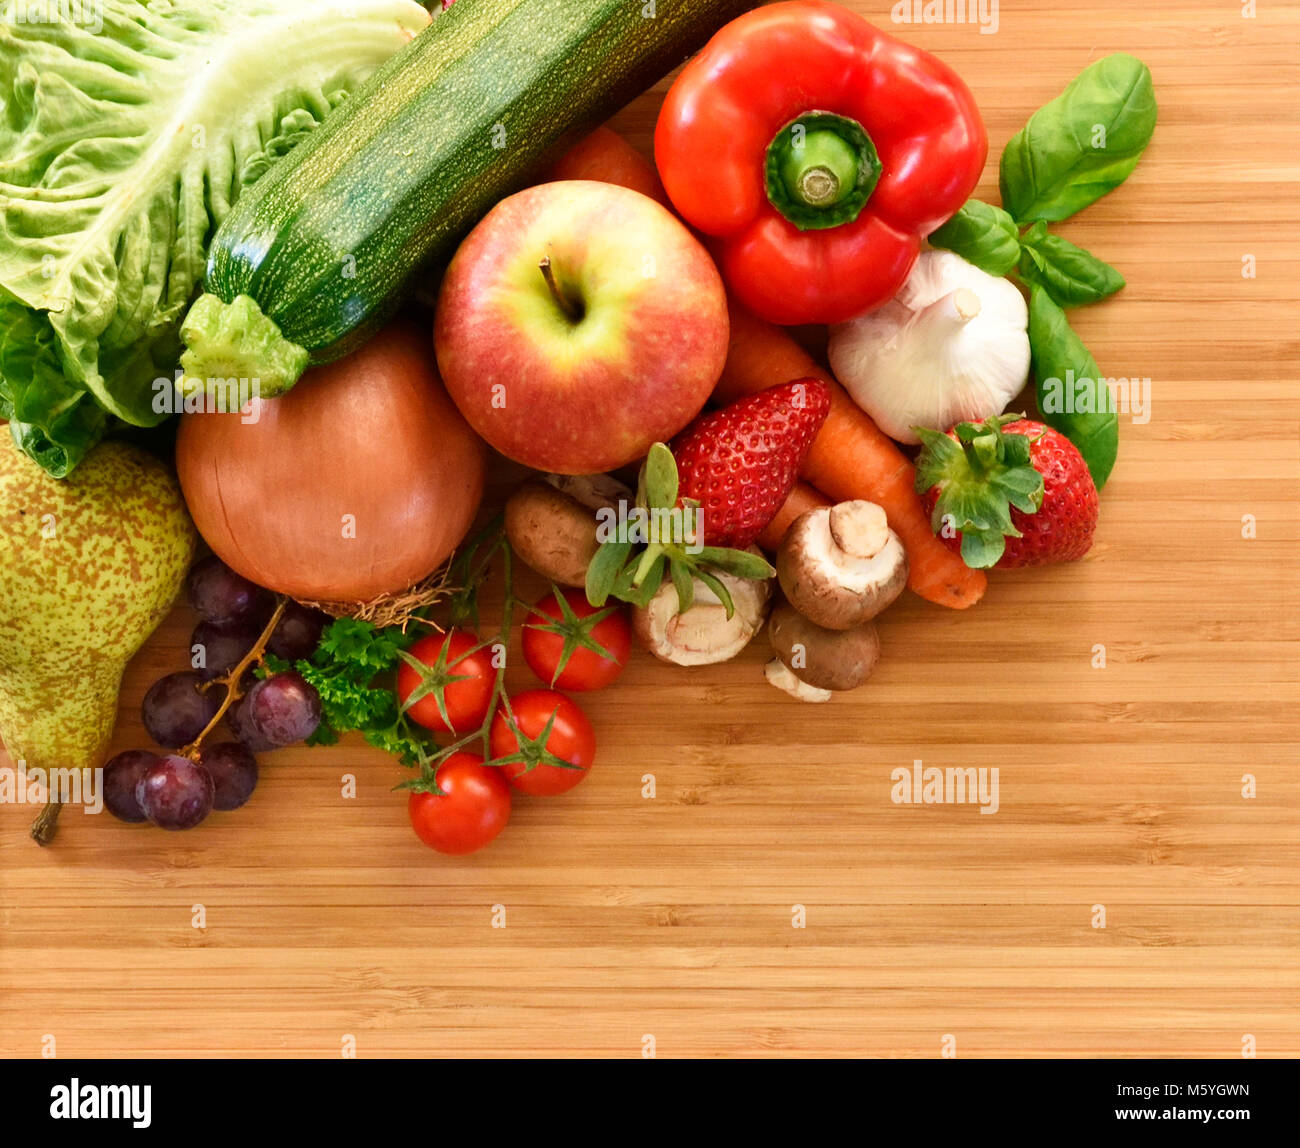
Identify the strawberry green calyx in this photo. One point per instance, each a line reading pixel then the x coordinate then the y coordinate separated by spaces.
pixel 621 571
pixel 981 473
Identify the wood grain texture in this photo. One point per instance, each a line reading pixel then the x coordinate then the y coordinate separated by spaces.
pixel 673 916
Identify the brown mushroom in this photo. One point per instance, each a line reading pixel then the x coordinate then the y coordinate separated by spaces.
pixel 817 658
pixel 703 634
pixel 841 565
pixel 551 523
pixel 784 678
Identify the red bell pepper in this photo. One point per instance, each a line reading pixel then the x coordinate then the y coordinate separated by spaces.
pixel 818 151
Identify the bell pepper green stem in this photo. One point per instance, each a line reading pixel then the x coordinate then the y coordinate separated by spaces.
pixel 821 169
pixel 822 172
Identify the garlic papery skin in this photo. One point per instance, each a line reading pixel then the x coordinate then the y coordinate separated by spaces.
pixel 953 344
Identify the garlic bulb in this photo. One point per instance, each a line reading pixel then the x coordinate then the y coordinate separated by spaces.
pixel 953 344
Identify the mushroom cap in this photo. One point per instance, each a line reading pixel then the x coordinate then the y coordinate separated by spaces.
pixel 551 531
pixel 826 659
pixel 841 565
pixel 703 635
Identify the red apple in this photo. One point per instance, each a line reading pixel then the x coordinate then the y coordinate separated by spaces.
pixel 579 364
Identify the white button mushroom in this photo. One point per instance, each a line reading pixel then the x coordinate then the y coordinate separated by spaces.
pixel 703 634
pixel 784 678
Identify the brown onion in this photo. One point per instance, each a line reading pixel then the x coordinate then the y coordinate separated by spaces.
pixel 357 483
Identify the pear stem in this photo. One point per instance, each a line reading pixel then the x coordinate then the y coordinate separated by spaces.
pixel 46 822
pixel 231 682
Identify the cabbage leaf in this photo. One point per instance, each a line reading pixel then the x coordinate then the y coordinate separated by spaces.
pixel 127 130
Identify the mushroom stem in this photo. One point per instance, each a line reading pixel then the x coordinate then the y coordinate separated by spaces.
pixel 859 529
pixel 784 678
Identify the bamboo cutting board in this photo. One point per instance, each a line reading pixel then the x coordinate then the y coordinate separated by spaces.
pixel 770 898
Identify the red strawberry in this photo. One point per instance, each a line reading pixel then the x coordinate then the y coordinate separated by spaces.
pixel 1018 492
pixel 741 462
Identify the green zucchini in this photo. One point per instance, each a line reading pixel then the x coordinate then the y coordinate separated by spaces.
pixel 320 251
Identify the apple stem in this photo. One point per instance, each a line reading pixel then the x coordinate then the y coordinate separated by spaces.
pixel 571 310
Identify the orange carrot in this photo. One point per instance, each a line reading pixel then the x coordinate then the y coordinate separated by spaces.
pixel 803 497
pixel 605 156
pixel 850 457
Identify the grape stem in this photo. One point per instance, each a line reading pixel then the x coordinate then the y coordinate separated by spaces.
pixel 231 681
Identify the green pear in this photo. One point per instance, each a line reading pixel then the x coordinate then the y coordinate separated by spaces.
pixel 89 565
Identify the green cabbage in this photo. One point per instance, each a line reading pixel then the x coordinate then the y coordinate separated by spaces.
pixel 127 130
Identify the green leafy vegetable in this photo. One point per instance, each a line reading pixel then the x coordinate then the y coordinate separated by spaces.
pixel 1082 144
pixel 1072 395
pixel 350 670
pixel 1069 274
pixel 983 235
pixel 123 143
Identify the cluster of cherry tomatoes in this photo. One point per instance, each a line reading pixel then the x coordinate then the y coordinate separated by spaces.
pixel 541 742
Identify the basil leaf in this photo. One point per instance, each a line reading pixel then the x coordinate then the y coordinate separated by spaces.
pixel 983 235
pixel 1072 396
pixel 1072 276
pixel 1082 144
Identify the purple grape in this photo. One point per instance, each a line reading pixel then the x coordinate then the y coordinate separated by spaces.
pixel 223 646
pixel 284 708
pixel 234 773
pixel 237 718
pixel 217 594
pixel 121 774
pixel 175 712
pixel 174 793
pixel 297 632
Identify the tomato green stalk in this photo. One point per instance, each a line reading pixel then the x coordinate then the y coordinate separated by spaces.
pixel 465 609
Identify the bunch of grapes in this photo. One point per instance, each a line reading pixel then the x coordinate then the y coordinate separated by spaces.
pixel 178 790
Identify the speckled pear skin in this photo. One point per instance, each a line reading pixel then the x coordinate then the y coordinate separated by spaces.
pixel 89 565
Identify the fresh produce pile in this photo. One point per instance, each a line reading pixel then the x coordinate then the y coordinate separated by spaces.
pixel 700 474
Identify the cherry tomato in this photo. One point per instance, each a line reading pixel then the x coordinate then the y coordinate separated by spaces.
pixel 472 809
pixel 561 632
pixel 442 658
pixel 571 741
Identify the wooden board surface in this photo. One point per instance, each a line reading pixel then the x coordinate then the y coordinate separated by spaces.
pixel 672 918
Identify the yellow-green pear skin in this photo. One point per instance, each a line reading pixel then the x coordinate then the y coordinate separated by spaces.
pixel 89 565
